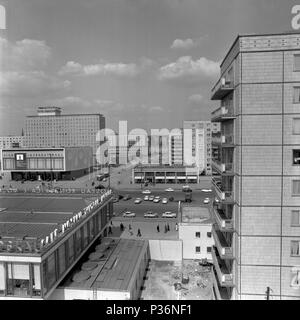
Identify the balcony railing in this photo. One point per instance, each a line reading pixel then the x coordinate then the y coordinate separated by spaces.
pixel 224 249
pixel 224 140
pixel 222 167
pixel 222 195
pixel 222 113
pixel 221 89
pixel 223 222
pixel 224 275
pixel 221 293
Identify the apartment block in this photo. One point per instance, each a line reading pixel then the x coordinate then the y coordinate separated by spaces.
pixel 257 161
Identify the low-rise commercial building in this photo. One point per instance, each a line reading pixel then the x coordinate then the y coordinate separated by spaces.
pixel 47 163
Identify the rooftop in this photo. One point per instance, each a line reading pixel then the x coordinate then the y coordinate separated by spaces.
pixel 110 267
pixel 195 214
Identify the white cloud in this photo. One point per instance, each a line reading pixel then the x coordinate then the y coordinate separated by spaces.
pixel 183 44
pixel 70 101
pixel 23 69
pixel 114 69
pixel 156 109
pixel 188 71
pixel 195 98
pixel 110 105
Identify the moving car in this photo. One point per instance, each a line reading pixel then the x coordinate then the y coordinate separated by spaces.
pixel 150 214
pixel 169 214
pixel 138 200
pixel 186 188
pixel 127 197
pixel 169 190
pixel 128 214
pixel 164 200
pixel 146 198
pixel 206 200
pixel 146 191
pixel 206 190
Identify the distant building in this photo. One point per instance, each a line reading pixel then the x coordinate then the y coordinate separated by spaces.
pixel 195 231
pixel 12 142
pixel 47 163
pixel 51 129
pixel 176 148
pixel 197 144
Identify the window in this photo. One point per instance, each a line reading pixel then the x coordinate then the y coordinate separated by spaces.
pixel 208 249
pixel 198 234
pixel 295 248
pixel 296 187
pixel 198 249
pixel 295 218
pixel 18 283
pixel 296 62
pixel 208 234
pixel 296 126
pixel 296 95
pixel 296 157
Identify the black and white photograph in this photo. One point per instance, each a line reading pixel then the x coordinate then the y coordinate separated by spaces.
pixel 150 153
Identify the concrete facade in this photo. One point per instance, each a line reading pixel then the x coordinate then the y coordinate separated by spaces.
pixel 260 80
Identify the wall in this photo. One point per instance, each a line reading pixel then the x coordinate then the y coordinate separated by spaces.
pixel 165 250
pixel 78 158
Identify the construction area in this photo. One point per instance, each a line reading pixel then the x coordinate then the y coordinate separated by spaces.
pixel 184 280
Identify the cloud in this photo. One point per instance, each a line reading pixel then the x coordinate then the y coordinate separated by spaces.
pixel 30 83
pixel 110 105
pixel 183 44
pixel 113 69
pixel 23 69
pixel 188 71
pixel 195 98
pixel 156 109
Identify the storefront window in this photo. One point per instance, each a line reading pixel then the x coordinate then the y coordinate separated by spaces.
pixel 36 280
pixel 18 283
pixel 71 250
pixel 2 278
pixel 51 270
pixel 62 259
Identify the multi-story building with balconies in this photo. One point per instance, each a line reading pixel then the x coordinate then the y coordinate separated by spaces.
pixel 256 156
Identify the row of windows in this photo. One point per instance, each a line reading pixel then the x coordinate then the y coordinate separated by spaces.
pixel 198 234
pixel 198 249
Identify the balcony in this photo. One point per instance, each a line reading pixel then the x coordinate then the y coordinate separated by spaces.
pixel 222 114
pixel 220 293
pixel 223 140
pixel 225 168
pixel 222 88
pixel 225 277
pixel 224 196
pixel 224 249
pixel 225 224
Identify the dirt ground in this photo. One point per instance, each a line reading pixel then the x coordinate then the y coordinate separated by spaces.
pixel 163 275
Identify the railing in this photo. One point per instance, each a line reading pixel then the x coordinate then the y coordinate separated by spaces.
pixel 221 88
pixel 55 190
pixel 224 275
pixel 218 165
pixel 223 222
pixel 222 112
pixel 225 250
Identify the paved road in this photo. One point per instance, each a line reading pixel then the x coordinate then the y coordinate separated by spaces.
pixel 140 209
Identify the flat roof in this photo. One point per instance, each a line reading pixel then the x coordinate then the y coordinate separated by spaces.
pixel 36 217
pixel 195 214
pixel 67 115
pixel 114 268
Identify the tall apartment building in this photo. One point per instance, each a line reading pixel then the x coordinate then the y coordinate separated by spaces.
pixel 50 128
pixel 197 145
pixel 176 148
pixel 257 223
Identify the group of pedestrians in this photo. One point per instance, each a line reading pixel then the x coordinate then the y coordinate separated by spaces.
pixel 167 227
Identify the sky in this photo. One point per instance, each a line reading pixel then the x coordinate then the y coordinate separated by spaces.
pixel 150 62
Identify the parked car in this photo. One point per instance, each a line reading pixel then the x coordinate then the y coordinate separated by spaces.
pixel 156 200
pixel 138 200
pixel 206 200
pixel 127 197
pixel 164 201
pixel 169 214
pixel 150 214
pixel 146 198
pixel 146 191
pixel 171 199
pixel 169 190
pixel 151 198
pixel 128 214
pixel 120 197
pixel 206 190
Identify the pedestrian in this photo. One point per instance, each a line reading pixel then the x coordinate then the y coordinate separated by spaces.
pixel 111 222
pixel 129 227
pixel 168 227
pixel 109 230
pixel 121 227
pixel 139 233
pixel 176 226
pixel 157 228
